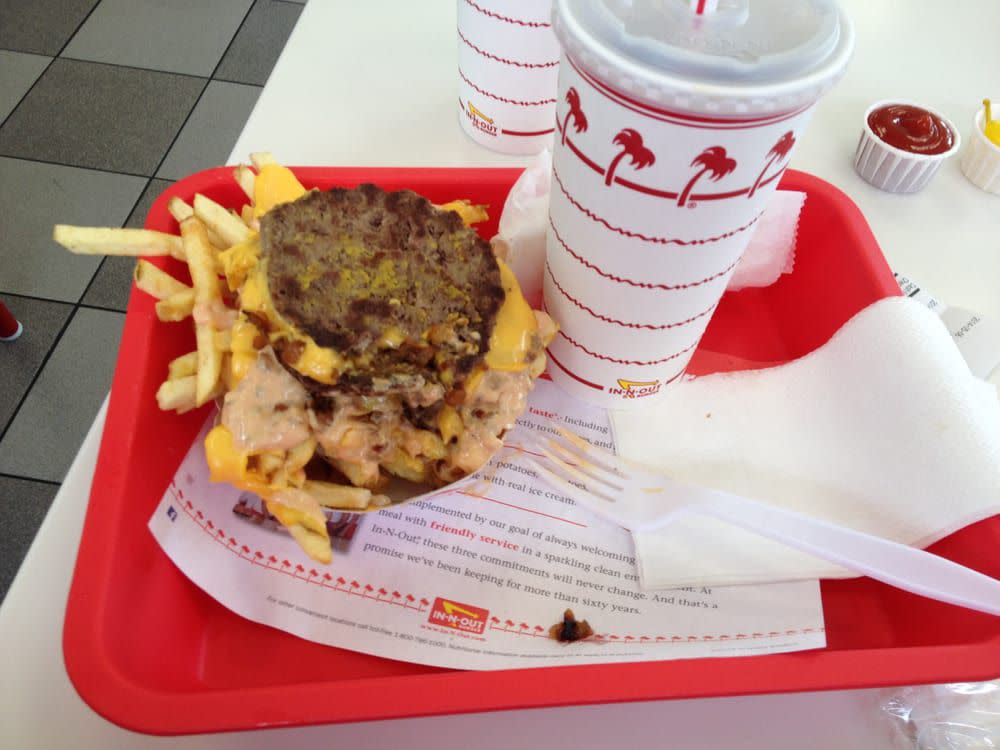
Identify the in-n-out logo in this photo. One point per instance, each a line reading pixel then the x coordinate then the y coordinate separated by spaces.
pixel 458 616
pixel 635 388
pixel 479 120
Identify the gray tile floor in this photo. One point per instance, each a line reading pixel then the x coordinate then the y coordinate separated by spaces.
pixel 103 103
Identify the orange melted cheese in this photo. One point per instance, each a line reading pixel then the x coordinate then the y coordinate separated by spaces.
pixel 514 329
pixel 274 185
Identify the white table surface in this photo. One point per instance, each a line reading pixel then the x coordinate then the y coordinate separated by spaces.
pixel 373 83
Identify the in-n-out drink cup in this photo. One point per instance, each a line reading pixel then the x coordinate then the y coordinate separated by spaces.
pixel 508 67
pixel 673 130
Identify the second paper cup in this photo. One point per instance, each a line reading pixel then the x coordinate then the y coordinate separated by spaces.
pixel 508 66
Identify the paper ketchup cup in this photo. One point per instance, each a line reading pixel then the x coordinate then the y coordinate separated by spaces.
pixel 981 158
pixel 508 66
pixel 897 170
pixel 673 129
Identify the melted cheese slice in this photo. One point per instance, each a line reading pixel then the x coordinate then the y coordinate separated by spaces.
pixel 228 464
pixel 274 185
pixel 239 260
pixel 514 328
pixel 317 362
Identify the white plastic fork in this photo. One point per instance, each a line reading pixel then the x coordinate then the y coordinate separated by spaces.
pixel 641 500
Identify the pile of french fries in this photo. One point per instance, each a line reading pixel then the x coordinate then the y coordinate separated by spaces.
pixel 207 230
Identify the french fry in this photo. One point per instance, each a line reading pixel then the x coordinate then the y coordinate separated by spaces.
pixel 180 395
pixel 176 307
pixel 358 474
pixel 179 209
pixel 270 461
pixel 230 229
pixel 405 466
pixel 201 263
pixel 177 394
pixel 246 214
pixel 106 241
pixel 209 363
pixel 245 177
pixel 260 158
pixel 300 455
pixel 183 366
pixel 156 282
pixel 304 520
pixel 337 495
pixel 291 471
pixel 314 543
pixel 224 340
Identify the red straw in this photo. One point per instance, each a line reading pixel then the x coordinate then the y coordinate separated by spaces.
pixel 703 7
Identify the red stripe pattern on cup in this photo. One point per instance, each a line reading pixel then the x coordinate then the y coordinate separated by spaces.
pixel 505 100
pixel 508 19
pixel 616 360
pixel 623 323
pixel 572 374
pixel 504 60
pixel 526 133
pixel 631 282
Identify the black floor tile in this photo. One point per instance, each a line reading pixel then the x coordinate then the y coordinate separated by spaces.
pixel 33 197
pixel 23 505
pixel 180 36
pixel 100 116
pixel 46 433
pixel 40 26
pixel 256 47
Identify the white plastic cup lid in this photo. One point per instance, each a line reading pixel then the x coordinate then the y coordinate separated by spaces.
pixel 728 57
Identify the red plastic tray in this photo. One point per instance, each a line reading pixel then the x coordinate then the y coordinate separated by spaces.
pixel 150 651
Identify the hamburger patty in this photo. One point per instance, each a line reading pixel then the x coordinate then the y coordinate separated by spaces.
pixel 397 287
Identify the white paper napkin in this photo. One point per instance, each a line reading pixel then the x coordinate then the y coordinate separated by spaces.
pixel 771 250
pixel 520 238
pixel 882 429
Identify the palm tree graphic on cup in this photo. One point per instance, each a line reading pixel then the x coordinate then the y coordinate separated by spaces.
pixel 631 145
pixel 712 160
pixel 574 113
pixel 778 151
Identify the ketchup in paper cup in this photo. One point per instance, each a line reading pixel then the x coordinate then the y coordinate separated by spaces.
pixel 903 144
pixel 675 122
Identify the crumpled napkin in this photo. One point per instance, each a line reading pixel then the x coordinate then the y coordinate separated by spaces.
pixel 520 238
pixel 771 250
pixel 883 429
